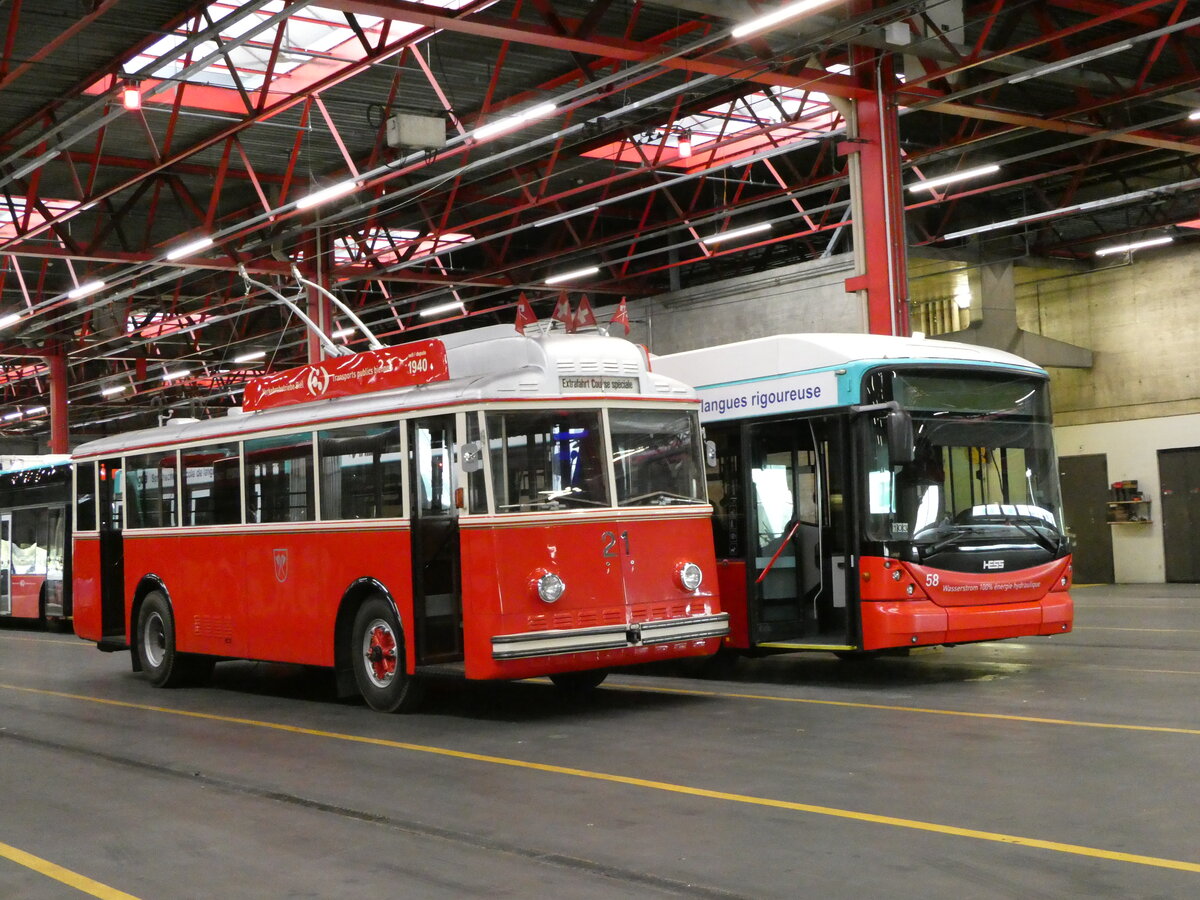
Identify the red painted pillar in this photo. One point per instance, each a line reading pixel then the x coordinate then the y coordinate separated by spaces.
pixel 878 199
pixel 57 363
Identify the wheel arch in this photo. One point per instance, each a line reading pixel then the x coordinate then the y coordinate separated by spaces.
pixel 352 599
pixel 148 583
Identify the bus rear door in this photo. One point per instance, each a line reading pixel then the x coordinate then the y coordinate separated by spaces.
pixel 437 595
pixel 112 556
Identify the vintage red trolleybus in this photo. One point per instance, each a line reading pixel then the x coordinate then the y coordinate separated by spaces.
pixel 490 504
pixel 875 493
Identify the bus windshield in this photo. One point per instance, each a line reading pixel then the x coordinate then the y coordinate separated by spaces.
pixel 553 459
pixel 983 466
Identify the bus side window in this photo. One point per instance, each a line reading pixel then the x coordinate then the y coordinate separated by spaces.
pixel 212 485
pixel 279 479
pixel 150 490
pixel 361 472
pixel 476 488
pixel 85 497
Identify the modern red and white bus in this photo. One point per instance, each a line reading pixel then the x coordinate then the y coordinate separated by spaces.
pixel 874 493
pixel 489 504
pixel 35 532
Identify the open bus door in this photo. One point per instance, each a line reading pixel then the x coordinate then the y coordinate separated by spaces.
pixel 112 556
pixel 437 595
pixel 797 576
pixel 6 565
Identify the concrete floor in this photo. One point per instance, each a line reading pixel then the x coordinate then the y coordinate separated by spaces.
pixel 1061 767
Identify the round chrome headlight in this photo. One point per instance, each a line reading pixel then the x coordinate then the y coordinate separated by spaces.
pixel 550 587
pixel 690 576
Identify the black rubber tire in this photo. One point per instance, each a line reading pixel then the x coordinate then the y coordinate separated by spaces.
pixel 579 683
pixel 377 656
pixel 163 665
pixel 155 642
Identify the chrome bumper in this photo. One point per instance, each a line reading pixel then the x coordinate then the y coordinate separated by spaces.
pixel 608 637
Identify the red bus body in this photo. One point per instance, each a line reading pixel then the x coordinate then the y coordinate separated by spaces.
pixel 288 591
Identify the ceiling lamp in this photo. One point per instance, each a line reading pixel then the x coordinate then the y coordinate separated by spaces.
pixel 930 183
pixel 190 249
pixel 736 233
pixel 790 11
pixel 85 290
pixel 131 96
pixel 576 273
pixel 325 194
pixel 1136 245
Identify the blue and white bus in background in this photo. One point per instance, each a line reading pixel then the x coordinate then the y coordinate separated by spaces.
pixel 872 493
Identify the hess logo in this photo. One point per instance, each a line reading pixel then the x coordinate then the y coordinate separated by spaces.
pixel 993 564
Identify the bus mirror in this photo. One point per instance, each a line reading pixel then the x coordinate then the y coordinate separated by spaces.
pixel 710 454
pixel 900 437
pixel 471 454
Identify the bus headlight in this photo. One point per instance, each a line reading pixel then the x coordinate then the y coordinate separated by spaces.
pixel 688 575
pixel 550 587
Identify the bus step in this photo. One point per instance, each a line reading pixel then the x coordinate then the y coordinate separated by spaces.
pixel 447 669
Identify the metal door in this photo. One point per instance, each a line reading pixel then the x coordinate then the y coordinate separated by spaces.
pixel 1180 488
pixel 437 599
pixel 1085 502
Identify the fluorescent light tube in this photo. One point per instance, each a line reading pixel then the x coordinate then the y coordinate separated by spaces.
pixel 12 415
pixel 247 357
pixel 35 410
pixel 736 233
pixel 444 307
pixel 1136 245
pixel 85 290
pixel 577 273
pixel 342 332
pixel 790 11
pixel 10 319
pixel 171 376
pixel 508 123
pixel 190 249
pixel 930 183
pixel 111 391
pixel 325 194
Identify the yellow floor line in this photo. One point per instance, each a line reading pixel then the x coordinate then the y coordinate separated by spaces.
pixel 913 824
pixel 58 873
pixel 909 709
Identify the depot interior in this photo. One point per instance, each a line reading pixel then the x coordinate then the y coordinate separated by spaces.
pixel 1015 174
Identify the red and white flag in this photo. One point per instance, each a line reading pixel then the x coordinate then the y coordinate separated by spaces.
pixel 525 314
pixel 584 316
pixel 621 316
pixel 562 312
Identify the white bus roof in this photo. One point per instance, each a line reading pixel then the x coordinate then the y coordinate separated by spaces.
pixel 494 363
pixel 786 353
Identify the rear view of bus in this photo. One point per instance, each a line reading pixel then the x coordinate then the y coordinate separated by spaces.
pixel 488 505
pixel 875 493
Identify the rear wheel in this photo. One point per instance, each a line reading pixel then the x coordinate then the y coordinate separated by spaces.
pixel 377 651
pixel 579 682
pixel 163 664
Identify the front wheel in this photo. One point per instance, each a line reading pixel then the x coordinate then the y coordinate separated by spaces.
pixel 377 651
pixel 164 665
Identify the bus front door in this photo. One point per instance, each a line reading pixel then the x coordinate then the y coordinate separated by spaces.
pixel 112 556
pixel 5 565
pixel 797 583
pixel 437 597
